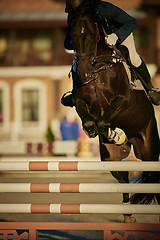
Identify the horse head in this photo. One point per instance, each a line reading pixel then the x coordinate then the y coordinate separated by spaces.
pixel 84 30
pixel 91 50
pixel 80 6
pixel 85 35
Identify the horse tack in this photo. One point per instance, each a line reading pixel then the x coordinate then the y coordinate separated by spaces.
pixel 89 78
pixel 97 38
pixel 94 73
pixel 107 60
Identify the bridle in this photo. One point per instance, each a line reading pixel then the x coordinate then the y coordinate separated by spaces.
pixel 101 62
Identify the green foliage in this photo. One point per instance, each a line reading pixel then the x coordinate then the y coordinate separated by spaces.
pixel 49 134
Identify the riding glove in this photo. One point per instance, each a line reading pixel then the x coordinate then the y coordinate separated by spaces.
pixel 111 39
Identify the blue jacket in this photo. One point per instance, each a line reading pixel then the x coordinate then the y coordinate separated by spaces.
pixel 112 18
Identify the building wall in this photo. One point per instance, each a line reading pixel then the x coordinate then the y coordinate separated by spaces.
pixel 45 80
pixel 53 81
pixel 158 42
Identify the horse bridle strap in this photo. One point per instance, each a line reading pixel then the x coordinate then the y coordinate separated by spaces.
pixel 107 61
pixel 89 78
pixel 94 73
pixel 105 58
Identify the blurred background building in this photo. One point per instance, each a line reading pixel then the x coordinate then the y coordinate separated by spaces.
pixel 34 65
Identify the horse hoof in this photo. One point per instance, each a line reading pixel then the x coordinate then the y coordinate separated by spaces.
pixel 90 129
pixel 90 134
pixel 129 219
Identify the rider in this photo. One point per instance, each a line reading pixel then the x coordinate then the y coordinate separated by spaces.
pixel 119 27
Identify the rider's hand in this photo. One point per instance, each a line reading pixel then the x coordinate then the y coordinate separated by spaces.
pixel 111 39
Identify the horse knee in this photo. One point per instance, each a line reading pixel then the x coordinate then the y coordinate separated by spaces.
pixel 90 128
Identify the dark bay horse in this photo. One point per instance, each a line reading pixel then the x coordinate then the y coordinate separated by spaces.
pixel 105 100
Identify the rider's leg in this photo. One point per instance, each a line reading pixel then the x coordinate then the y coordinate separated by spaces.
pixel 141 70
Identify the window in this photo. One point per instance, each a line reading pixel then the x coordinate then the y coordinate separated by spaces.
pixel 36 47
pixel 1 105
pixel 30 105
pixel 4 107
pixel 42 47
pixel 3 44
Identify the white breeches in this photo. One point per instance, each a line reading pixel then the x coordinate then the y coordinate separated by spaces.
pixel 134 57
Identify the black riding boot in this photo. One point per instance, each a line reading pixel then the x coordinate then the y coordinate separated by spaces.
pixel 145 78
pixel 67 100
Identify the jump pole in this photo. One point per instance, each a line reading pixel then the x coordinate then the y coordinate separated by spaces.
pixel 80 187
pixel 80 208
pixel 79 166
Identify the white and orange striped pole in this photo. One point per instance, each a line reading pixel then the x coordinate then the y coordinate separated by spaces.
pixel 80 208
pixel 79 166
pixel 80 187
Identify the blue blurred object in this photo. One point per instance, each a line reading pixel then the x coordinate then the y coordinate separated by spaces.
pixel 69 130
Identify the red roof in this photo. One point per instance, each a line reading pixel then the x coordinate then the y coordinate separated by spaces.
pixel 49 5
pixel 30 5
pixel 53 5
pixel 127 3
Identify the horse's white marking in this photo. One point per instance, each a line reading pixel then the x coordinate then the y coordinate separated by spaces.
pixel 82 31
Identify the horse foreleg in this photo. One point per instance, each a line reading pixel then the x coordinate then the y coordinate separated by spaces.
pixel 114 109
pixel 115 136
pixel 88 122
pixel 112 152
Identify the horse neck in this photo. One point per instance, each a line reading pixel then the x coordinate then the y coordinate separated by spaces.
pixel 102 47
